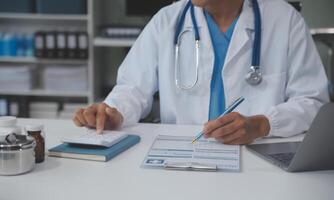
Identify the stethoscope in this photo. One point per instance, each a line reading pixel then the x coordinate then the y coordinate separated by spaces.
pixel 254 75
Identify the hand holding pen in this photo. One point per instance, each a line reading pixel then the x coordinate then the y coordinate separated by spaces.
pixel 228 110
pixel 235 129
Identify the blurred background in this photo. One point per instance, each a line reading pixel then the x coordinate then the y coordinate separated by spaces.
pixel 56 56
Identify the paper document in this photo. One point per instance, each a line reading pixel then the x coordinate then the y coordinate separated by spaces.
pixel 177 152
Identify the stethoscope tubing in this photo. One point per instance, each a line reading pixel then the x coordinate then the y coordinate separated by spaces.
pixel 254 76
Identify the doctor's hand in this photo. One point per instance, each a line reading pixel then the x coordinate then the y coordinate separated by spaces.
pixel 99 116
pixel 236 129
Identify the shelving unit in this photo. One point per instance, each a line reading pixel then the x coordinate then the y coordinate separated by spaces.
pixel 326 37
pixel 110 52
pixel 30 23
pixel 105 54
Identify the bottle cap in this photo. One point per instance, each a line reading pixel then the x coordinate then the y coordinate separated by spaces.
pixel 7 121
pixel 34 127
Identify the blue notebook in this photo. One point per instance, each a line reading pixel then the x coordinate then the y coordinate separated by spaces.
pixel 96 153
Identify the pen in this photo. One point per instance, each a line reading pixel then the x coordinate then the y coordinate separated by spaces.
pixel 228 110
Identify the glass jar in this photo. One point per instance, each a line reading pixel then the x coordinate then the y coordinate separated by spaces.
pixel 37 132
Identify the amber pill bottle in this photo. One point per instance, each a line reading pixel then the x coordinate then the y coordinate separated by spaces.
pixel 37 132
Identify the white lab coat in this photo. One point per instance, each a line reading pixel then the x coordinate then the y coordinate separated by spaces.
pixel 293 88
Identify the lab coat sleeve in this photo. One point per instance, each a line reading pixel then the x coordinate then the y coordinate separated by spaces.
pixel 137 78
pixel 306 87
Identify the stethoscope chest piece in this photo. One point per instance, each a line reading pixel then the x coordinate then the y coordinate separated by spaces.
pixel 254 76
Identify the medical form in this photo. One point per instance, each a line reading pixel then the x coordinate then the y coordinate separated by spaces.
pixel 177 152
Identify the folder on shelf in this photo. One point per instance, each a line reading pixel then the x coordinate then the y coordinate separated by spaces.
pixel 72 45
pixel 50 45
pixel 61 44
pixel 82 45
pixel 39 44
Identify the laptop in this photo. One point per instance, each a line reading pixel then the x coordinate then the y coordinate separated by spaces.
pixel 315 152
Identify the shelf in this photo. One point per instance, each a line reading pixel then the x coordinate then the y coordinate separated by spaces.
pixel 53 93
pixel 317 31
pixel 32 16
pixel 326 35
pixel 33 60
pixel 114 42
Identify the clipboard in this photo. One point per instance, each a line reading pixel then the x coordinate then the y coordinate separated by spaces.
pixel 191 166
pixel 178 153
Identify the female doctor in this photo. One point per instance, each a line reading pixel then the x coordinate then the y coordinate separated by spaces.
pixel 201 55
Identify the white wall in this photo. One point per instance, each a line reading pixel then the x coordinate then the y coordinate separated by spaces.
pixel 318 13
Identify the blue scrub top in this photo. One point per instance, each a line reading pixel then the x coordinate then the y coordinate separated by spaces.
pixel 220 43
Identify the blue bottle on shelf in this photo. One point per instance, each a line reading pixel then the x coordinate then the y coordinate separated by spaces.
pixel 30 45
pixel 20 44
pixel 13 46
pixel 10 45
pixel 1 45
pixel 5 42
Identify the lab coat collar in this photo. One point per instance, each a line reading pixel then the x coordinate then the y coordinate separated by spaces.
pixel 246 18
pixel 200 18
pixel 242 33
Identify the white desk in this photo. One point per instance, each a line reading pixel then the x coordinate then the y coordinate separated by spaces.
pixel 122 178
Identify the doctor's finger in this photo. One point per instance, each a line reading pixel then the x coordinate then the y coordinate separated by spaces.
pixel 80 117
pixel 228 129
pixel 90 115
pixel 115 118
pixel 210 126
pixel 100 118
pixel 244 139
pixel 240 141
pixel 77 122
pixel 237 135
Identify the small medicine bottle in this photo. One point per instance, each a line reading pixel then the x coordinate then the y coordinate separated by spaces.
pixel 36 131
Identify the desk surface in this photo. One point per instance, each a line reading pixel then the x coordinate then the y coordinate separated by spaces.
pixel 123 178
